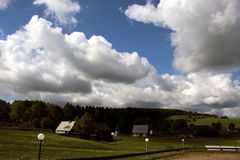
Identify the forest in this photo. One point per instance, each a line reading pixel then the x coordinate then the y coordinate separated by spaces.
pixel 39 114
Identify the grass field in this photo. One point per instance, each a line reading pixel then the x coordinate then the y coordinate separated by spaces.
pixel 23 144
pixel 203 120
pixel 225 122
pixel 189 118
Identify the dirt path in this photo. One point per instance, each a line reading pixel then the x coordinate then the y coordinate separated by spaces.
pixel 209 156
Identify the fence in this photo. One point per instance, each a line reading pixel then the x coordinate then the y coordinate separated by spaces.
pixel 205 148
pixel 223 148
pixel 130 155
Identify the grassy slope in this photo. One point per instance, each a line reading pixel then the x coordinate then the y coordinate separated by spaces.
pixel 225 122
pixel 19 144
pixel 203 120
pixel 186 117
pixel 22 144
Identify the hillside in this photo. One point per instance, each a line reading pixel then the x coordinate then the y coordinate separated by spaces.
pixel 206 120
pixel 23 144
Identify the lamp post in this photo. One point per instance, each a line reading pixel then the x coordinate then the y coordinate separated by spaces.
pixel 40 138
pixel 183 144
pixel 112 134
pixel 146 142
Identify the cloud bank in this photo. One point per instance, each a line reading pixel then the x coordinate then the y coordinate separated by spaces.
pixel 205 34
pixel 40 62
pixel 41 58
pixel 62 10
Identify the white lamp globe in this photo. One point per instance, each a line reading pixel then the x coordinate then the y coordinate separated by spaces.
pixel 146 139
pixel 40 136
pixel 182 140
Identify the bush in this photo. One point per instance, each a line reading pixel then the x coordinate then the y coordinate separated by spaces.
pixel 208 132
pixel 46 123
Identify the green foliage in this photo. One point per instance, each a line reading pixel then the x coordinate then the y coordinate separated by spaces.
pixel 225 122
pixel 84 125
pixel 68 112
pixel 231 127
pixel 18 109
pixel 46 123
pixel 38 110
pixel 208 132
pixel 179 125
pixel 217 126
pixel 55 113
pixel 4 111
pixel 38 114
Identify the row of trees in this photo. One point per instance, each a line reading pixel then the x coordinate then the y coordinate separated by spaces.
pixel 35 114
pixel 38 114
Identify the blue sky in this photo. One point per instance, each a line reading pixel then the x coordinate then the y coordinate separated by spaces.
pixel 180 54
pixel 97 18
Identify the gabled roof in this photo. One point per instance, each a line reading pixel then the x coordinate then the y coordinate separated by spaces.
pixel 143 129
pixel 65 126
pixel 101 127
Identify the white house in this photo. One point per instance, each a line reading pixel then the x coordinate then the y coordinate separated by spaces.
pixel 65 127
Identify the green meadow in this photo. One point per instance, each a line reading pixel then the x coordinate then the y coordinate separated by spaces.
pixel 206 120
pixel 225 122
pixel 23 144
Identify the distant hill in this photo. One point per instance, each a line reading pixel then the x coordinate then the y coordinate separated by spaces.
pixel 39 114
pixel 204 119
pixel 225 121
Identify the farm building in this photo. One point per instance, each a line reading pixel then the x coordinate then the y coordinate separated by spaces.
pixel 140 130
pixel 65 127
pixel 101 131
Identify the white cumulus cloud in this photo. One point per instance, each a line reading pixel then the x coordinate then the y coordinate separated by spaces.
pixel 41 58
pixel 63 10
pixel 38 61
pixel 4 4
pixel 205 34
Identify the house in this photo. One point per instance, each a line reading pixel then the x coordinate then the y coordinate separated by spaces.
pixel 65 127
pixel 101 131
pixel 139 130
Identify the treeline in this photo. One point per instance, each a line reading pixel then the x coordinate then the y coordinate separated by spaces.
pixel 38 114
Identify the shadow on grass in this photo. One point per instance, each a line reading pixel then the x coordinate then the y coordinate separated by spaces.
pixel 167 156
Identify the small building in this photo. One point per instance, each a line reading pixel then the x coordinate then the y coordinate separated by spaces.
pixel 101 131
pixel 65 127
pixel 140 130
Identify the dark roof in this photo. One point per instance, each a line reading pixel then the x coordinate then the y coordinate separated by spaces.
pixel 101 127
pixel 143 129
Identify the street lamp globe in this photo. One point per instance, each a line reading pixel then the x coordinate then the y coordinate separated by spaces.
pixel 146 140
pixel 40 136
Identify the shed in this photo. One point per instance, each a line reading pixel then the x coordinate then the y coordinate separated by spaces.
pixel 101 131
pixel 140 130
pixel 65 127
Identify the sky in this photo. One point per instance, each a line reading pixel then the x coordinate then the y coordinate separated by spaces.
pixel 179 54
